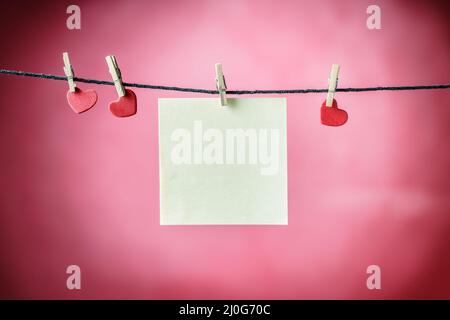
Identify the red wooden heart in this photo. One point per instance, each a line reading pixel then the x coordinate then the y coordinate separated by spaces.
pixel 81 101
pixel 126 106
pixel 332 116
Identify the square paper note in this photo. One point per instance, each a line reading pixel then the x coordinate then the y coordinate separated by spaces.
pixel 223 165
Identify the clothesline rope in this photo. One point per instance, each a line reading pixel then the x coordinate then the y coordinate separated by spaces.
pixel 206 91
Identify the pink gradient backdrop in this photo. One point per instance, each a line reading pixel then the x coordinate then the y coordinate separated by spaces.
pixel 84 189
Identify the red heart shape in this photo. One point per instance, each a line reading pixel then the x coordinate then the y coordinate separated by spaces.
pixel 126 106
pixel 81 101
pixel 332 116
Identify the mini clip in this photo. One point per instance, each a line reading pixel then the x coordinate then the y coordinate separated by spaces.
pixel 332 84
pixel 68 70
pixel 116 75
pixel 221 85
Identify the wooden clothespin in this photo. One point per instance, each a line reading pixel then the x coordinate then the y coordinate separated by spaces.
pixel 332 84
pixel 68 70
pixel 221 85
pixel 116 75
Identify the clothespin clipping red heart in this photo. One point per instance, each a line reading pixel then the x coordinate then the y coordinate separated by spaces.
pixel 126 105
pixel 330 114
pixel 79 100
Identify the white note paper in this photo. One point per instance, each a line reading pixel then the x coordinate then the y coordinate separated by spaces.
pixel 223 165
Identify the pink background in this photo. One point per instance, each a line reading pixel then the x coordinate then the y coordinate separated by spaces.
pixel 84 189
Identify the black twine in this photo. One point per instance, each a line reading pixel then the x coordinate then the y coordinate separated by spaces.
pixel 206 91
